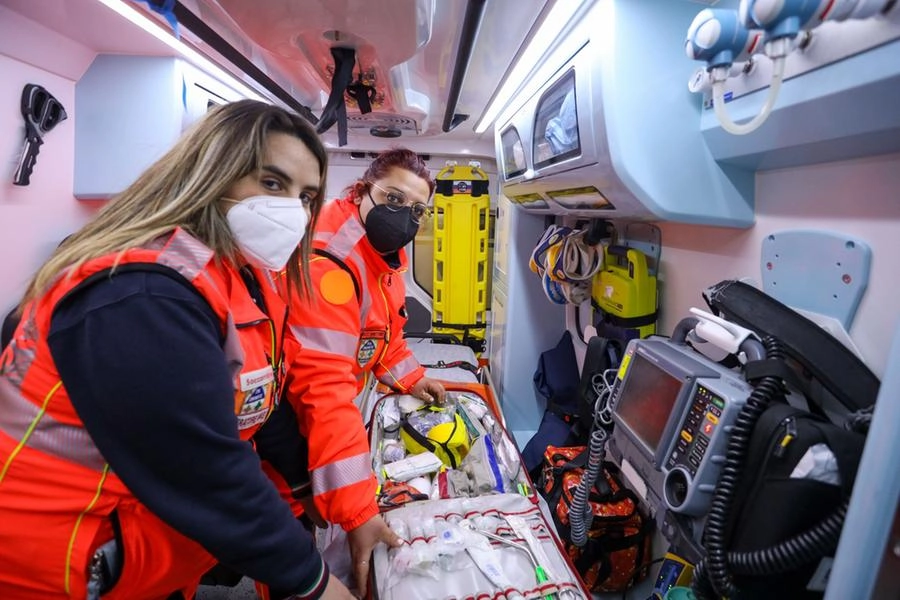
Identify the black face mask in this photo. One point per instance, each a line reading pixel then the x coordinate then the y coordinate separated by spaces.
pixel 389 230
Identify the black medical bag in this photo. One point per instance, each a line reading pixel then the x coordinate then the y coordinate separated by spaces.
pixel 792 488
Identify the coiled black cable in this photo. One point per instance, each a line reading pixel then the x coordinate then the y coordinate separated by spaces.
pixel 700 584
pixel 716 567
pixel 791 554
pixel 713 575
pixel 581 514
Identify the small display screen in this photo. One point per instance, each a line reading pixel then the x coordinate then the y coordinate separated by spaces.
pixel 556 124
pixel 646 401
pixel 513 153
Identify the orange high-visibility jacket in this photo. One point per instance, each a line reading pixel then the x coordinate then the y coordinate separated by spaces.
pixel 343 338
pixel 57 493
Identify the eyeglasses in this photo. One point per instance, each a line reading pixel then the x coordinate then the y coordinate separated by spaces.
pixel 395 200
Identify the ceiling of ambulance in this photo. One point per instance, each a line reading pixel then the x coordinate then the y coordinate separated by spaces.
pixel 429 68
pixel 407 50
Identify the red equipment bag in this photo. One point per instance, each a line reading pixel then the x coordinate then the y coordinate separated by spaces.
pixel 617 553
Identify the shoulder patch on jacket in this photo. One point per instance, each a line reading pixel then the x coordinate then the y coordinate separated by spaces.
pixel 336 287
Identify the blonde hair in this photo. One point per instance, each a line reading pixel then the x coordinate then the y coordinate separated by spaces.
pixel 183 189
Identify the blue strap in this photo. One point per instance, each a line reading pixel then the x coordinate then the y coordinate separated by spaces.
pixel 166 8
pixel 492 462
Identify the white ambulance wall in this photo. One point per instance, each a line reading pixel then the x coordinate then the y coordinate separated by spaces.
pixel 524 322
pixel 35 218
pixel 857 198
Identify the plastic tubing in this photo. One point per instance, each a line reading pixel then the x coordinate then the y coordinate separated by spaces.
pixel 777 51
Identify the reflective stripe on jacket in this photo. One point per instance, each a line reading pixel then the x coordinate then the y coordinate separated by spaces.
pixel 343 338
pixel 58 496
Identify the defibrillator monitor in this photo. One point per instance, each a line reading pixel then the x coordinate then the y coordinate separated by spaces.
pixel 673 409
pixel 647 399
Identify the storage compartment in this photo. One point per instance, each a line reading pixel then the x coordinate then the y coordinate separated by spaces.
pixel 129 112
pixel 613 132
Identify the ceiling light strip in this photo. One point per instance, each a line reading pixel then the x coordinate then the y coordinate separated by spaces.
pixel 202 31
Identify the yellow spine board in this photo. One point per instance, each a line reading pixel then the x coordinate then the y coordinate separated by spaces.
pixel 461 271
pixel 625 289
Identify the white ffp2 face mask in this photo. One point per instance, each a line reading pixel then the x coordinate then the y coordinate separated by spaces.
pixel 268 229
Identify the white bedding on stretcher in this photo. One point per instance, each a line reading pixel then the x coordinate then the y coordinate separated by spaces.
pixel 428 353
pixel 467 579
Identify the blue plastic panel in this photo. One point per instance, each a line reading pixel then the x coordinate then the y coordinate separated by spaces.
pixel 861 551
pixel 129 113
pixel 652 120
pixel 524 323
pixel 820 271
pixel 841 111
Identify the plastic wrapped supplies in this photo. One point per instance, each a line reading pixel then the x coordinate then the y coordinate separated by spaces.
pixel 459 446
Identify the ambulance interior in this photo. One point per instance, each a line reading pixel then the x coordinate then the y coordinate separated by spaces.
pixel 603 167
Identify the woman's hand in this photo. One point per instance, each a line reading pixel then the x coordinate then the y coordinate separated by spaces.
pixel 362 541
pixel 428 390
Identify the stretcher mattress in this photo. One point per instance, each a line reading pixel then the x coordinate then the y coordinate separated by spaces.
pixel 474 525
pixel 429 353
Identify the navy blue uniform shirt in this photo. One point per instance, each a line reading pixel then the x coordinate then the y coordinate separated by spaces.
pixel 140 356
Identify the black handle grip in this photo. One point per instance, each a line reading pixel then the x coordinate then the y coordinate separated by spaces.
pixel 27 162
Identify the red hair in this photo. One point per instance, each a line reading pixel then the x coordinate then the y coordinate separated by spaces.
pixel 402 158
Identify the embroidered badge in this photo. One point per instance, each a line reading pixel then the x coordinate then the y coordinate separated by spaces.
pixel 369 340
pixel 366 351
pixel 254 407
pixel 254 400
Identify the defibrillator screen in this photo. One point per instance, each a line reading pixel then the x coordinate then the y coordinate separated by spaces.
pixel 647 398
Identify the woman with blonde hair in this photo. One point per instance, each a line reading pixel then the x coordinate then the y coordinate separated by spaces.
pixel 149 350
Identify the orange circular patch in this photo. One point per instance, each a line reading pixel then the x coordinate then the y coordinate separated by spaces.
pixel 336 287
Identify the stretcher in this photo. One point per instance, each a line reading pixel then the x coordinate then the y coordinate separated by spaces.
pixel 447 362
pixel 474 525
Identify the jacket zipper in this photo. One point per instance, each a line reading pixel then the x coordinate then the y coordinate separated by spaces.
pixel 387 311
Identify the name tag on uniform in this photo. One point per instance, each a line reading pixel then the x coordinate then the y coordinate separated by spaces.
pixel 257 378
pixel 248 420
